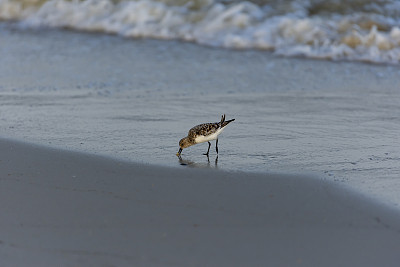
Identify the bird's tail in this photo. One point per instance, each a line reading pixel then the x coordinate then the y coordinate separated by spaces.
pixel 223 122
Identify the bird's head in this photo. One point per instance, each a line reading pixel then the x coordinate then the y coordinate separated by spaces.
pixel 184 143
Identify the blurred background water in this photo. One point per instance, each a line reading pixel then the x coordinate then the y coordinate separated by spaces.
pixel 363 30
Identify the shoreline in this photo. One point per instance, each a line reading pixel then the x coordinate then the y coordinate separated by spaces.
pixel 68 208
pixel 134 99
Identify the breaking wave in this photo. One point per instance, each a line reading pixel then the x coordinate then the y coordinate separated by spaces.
pixel 336 29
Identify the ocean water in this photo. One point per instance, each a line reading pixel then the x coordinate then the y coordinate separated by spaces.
pixel 134 99
pixel 362 30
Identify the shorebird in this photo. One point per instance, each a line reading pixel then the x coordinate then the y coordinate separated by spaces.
pixel 201 133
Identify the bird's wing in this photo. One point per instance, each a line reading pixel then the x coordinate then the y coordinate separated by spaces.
pixel 203 129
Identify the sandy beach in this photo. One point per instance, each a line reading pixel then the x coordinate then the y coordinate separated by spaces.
pixel 135 99
pixel 61 208
pixel 307 174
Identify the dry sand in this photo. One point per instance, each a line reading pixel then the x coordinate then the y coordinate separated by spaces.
pixel 60 208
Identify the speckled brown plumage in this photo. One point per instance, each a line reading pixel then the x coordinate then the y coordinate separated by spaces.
pixel 203 129
pixel 203 133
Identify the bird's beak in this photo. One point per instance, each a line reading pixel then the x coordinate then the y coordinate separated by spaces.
pixel 179 152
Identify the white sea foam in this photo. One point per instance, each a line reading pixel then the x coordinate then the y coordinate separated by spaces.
pixel 300 28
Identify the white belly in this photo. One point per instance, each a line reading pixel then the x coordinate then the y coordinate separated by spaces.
pixel 214 136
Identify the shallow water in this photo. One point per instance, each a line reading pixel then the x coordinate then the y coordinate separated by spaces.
pixel 362 30
pixel 134 100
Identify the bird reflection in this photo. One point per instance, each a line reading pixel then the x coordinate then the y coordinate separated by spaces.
pixel 193 164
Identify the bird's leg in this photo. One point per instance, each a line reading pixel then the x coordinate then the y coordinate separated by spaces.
pixel 209 144
pixel 216 145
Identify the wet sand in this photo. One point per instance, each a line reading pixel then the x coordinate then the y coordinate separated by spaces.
pixel 61 208
pixel 135 99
